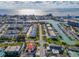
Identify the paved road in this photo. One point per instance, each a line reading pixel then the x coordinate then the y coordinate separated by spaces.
pixel 45 31
pixel 42 50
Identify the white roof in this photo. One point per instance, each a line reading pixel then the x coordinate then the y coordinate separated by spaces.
pixel 55 51
pixel 48 24
pixel 38 53
pixel 49 28
pixel 30 29
pixel 52 33
pixel 12 48
pixel 48 48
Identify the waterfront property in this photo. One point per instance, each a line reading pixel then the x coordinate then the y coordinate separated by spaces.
pixel 73 53
pixel 54 50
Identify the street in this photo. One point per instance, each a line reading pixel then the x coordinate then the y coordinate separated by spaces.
pixel 42 50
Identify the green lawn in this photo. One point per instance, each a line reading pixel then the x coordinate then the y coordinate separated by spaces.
pixel 37 44
pixel 54 40
pixel 13 44
pixel 7 39
pixel 77 43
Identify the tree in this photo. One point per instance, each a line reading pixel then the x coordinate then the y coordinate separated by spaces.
pixel 64 43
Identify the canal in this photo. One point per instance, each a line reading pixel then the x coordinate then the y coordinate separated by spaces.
pixel 61 33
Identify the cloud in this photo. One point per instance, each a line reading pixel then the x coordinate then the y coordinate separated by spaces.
pixel 38 4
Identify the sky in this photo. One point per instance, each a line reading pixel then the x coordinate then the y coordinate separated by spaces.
pixel 39 6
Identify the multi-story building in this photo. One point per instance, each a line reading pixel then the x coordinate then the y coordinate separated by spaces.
pixel 13 51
